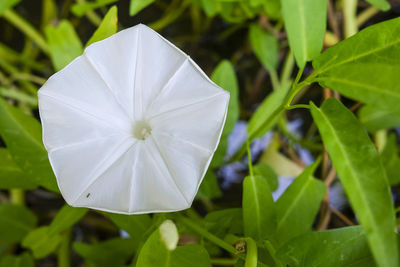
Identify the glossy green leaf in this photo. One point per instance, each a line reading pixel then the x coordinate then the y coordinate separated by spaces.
pixel 391 160
pixel 362 174
pixel 265 46
pixel 114 252
pixel 6 4
pixel 64 44
pixel 259 214
pixel 15 222
pixel 80 9
pixel 272 8
pixel 366 66
pixel 66 218
pixel 267 113
pixel 375 119
pixel 305 24
pixel 224 76
pixel 41 243
pixel 23 137
pixel 135 225
pixel 11 176
pixel 298 205
pixel 262 169
pixel 108 26
pixel 339 247
pixel 381 4
pixel 209 187
pixel 23 260
pixel 160 250
pixel 137 5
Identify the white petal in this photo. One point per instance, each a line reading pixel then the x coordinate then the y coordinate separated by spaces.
pixel 80 85
pixel 158 60
pixel 78 166
pixel 200 123
pixel 115 58
pixel 65 124
pixel 153 187
pixel 187 162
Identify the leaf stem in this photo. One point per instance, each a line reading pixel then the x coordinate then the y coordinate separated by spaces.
pixel 63 254
pixel 203 232
pixel 223 261
pixel 350 19
pixel 250 161
pixel 251 253
pixel 272 251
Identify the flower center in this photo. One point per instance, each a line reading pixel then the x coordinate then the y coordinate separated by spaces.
pixel 141 130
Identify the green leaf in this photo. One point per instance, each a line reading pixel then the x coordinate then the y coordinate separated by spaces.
pixel 224 76
pixel 339 247
pixel 135 225
pixel 11 176
pixel 298 205
pixel 265 46
pixel 108 26
pixel 225 221
pixel 391 160
pixel 113 252
pixel 209 187
pixel 365 67
pixel 190 255
pixel 160 250
pixel 305 24
pixel 381 4
pixel 264 170
pixel 80 9
pixel 267 113
pixel 64 44
pixel 23 137
pixel 259 214
pixel 15 222
pixel 41 243
pixel 375 118
pixel 23 260
pixel 363 176
pixel 6 4
pixel 137 5
pixel 66 218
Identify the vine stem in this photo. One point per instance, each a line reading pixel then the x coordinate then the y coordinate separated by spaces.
pixel 350 18
pixel 26 28
pixel 203 232
pixel 249 158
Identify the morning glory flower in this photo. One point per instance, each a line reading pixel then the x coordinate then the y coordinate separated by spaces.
pixel 131 125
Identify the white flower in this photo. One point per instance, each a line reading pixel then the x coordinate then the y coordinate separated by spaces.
pixel 131 125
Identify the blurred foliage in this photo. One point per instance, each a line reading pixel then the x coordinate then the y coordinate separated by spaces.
pixel 274 57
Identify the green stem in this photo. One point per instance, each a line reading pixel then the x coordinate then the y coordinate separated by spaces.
pixel 287 67
pixel 63 254
pixel 17 197
pixel 251 253
pixel 274 79
pixel 366 15
pixel 272 251
pixel 172 13
pixel 26 28
pixel 203 232
pixel 298 106
pixel 249 158
pixel 350 18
